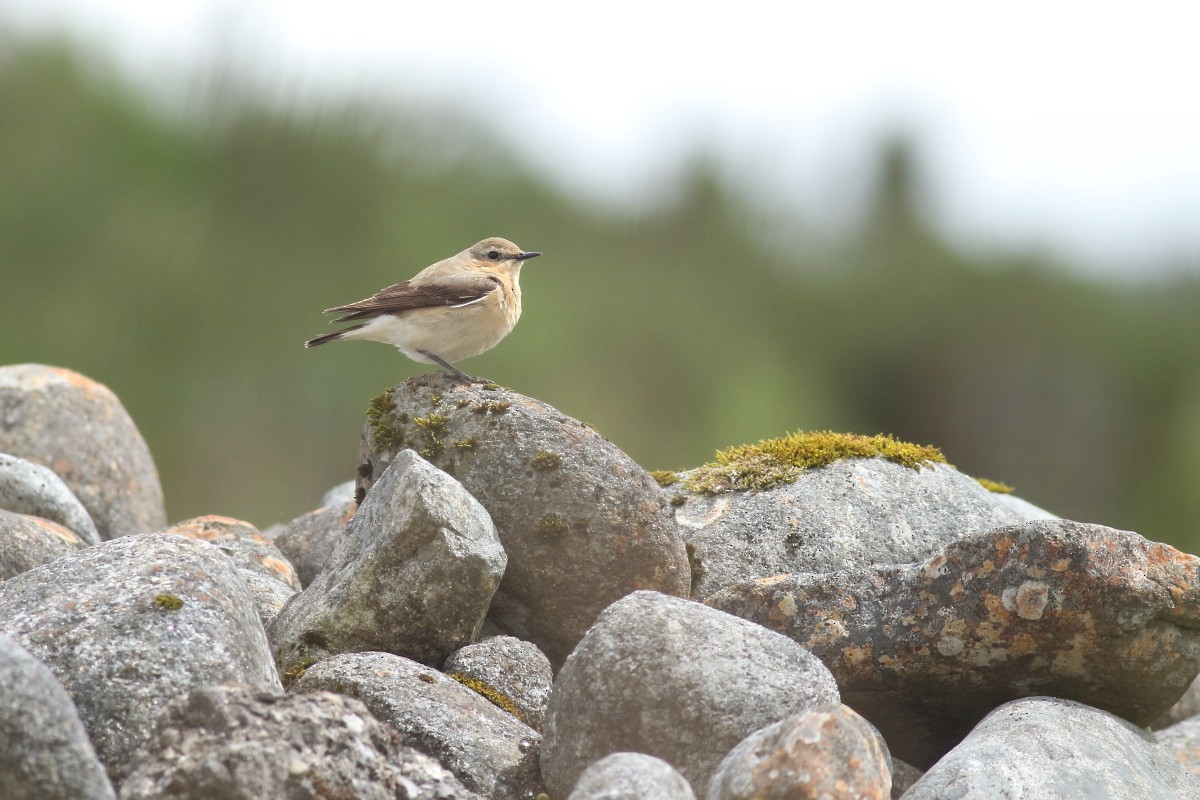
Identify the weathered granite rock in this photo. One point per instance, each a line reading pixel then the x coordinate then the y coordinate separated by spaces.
pixel 130 624
pixel 29 488
pixel 1183 741
pixel 308 540
pixel 413 575
pixel 828 752
pixel 506 669
pixel 674 679
pixel 79 429
pixel 1060 608
pixel 489 750
pixel 268 574
pixel 1186 707
pixel 246 743
pixel 631 776
pixel 853 513
pixel 338 495
pixel 904 776
pixel 27 542
pixel 1046 747
pixel 583 525
pixel 1024 510
pixel 45 753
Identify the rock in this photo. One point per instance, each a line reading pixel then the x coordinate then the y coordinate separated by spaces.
pixel 828 752
pixel 583 525
pixel 1050 607
pixel 1046 747
pixel 308 540
pixel 130 624
pixel 674 679
pixel 413 575
pixel 242 542
pixel 339 495
pixel 506 669
pixel 1025 510
pixel 853 513
pixel 904 775
pixel 1186 707
pixel 29 488
pixel 27 542
pixel 241 742
pixel 79 429
pixel 488 749
pixel 1183 741
pixel 631 776
pixel 45 753
pixel 270 595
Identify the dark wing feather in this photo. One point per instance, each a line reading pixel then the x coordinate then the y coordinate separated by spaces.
pixel 405 296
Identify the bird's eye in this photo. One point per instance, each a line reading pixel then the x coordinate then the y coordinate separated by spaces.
pixel 493 255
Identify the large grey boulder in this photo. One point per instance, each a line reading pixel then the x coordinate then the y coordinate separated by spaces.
pixel 510 671
pixel 583 525
pixel 631 776
pixel 673 679
pixel 1046 747
pixel 308 540
pixel 852 513
pixel 1052 607
pixel 45 753
pixel 29 488
pixel 413 575
pixel 130 624
pixel 79 429
pixel 489 750
pixel 242 743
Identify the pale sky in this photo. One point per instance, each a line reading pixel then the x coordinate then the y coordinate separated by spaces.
pixel 1069 126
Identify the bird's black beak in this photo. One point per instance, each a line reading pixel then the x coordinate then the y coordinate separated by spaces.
pixel 530 254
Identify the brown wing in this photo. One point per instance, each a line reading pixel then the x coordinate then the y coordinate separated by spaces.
pixel 405 297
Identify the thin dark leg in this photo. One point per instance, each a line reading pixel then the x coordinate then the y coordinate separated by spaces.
pixel 455 371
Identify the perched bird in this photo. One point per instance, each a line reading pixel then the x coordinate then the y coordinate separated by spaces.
pixel 457 308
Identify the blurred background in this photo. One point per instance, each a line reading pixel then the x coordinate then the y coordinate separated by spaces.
pixel 966 230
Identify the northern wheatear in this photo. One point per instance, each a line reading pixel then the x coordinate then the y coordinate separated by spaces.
pixel 457 308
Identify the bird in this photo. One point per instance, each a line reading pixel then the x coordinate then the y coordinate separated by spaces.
pixel 456 308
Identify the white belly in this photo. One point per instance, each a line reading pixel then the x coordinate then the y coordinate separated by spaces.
pixel 452 334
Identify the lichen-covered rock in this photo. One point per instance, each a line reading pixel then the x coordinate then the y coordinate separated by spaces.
pixel 413 575
pixel 489 750
pixel 852 513
pixel 79 429
pixel 45 753
pixel 828 752
pixel 1046 747
pixel 509 669
pixel 29 488
pixel 1061 608
pixel 27 542
pixel 583 525
pixel 631 776
pixel 674 679
pixel 242 542
pixel 130 624
pixel 245 743
pixel 308 540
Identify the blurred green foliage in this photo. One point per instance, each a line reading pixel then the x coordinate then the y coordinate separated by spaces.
pixel 183 258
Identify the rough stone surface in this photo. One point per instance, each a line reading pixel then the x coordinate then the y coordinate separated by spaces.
pixel 489 750
pixel 828 752
pixel 674 679
pixel 308 540
pixel 29 488
pixel 413 575
pixel 130 624
pixel 45 753
pixel 583 525
pixel 241 743
pixel 631 776
pixel 904 775
pixel 853 513
pixel 242 542
pixel 1060 608
pixel 507 668
pixel 1025 510
pixel 1186 707
pixel 1183 741
pixel 1045 747
pixel 79 429
pixel 27 542
pixel 338 495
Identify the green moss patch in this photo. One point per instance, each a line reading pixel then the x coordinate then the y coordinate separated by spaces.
pixel 168 602
pixel 665 477
pixel 386 428
pixel 776 462
pixel 497 698
pixel 996 487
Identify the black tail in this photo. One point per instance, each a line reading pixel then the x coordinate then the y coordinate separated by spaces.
pixel 329 337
